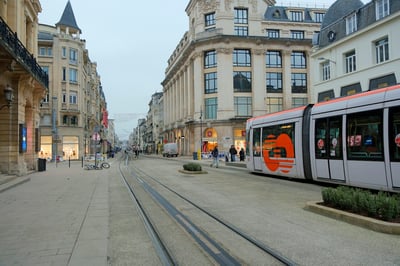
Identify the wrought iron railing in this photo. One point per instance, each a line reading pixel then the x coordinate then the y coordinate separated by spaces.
pixel 14 46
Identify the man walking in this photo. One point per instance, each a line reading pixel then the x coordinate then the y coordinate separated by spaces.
pixel 215 156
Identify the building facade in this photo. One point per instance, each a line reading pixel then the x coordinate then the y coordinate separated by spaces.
pixel 356 49
pixel 74 117
pixel 22 86
pixel 239 59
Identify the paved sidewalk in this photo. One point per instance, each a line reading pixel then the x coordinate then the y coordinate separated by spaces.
pixel 55 217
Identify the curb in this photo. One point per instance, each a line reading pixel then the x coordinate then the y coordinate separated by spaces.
pixel 354 219
pixel 193 172
pixel 13 183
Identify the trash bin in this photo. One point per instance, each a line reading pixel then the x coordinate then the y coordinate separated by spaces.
pixel 41 165
pixel 194 155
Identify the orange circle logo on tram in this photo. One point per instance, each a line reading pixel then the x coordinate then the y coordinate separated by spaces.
pixel 278 153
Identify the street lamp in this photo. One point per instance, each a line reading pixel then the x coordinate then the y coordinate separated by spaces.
pixel 9 97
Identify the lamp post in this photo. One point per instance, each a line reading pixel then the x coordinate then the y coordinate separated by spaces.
pixel 9 97
pixel 54 129
pixel 183 145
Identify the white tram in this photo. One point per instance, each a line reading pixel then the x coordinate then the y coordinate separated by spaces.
pixel 354 140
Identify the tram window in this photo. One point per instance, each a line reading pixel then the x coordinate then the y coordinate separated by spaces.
pixel 321 128
pixel 394 138
pixel 328 138
pixel 278 141
pixel 364 136
pixel 256 142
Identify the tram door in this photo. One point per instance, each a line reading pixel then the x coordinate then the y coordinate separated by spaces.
pixel 328 148
pixel 394 145
pixel 256 149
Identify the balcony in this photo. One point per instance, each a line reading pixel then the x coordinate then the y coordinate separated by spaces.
pixel 13 46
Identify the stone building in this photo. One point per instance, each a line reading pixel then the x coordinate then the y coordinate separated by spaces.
pixel 238 59
pixel 22 86
pixel 356 49
pixel 74 112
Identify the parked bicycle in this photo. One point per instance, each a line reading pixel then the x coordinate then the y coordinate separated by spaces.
pixel 98 166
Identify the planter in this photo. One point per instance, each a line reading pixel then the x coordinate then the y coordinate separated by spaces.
pixel 355 219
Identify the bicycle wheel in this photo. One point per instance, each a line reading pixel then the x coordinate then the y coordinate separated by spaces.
pixel 105 165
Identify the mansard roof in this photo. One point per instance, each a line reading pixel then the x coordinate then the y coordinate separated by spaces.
pixel 68 18
pixel 279 13
pixel 340 9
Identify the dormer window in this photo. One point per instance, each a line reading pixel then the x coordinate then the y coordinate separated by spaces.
pixel 296 15
pixel 276 14
pixel 351 23
pixel 382 8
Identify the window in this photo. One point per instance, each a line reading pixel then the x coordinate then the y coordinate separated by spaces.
pixel 73 56
pixel 319 17
pixel 241 16
pixel 350 59
pixel 382 8
pixel 45 69
pixel 73 75
pixel 63 52
pixel 297 34
pixel 256 142
pixel 274 82
pixel 210 82
pixel 328 138
pixel 45 51
pixel 65 120
pixel 74 120
pixel 210 59
pixel 64 97
pixel 394 131
pixel 296 15
pixel 274 104
pixel 46 99
pixel 241 58
pixel 297 102
pixel 64 74
pixel 365 136
pixel 326 70
pixel 273 59
pixel 243 106
pixel 73 97
pixel 274 34
pixel 242 81
pixel 211 107
pixel 241 30
pixel 382 50
pixel 298 59
pixel 351 23
pixel 299 83
pixel 271 146
pixel 209 19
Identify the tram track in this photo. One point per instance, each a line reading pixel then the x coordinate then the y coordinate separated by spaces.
pixel 212 247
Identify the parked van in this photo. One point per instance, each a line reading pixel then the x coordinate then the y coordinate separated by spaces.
pixel 170 150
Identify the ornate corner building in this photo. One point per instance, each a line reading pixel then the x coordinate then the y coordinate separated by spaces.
pixel 239 59
pixel 74 117
pixel 23 84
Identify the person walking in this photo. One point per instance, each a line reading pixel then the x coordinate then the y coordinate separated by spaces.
pixel 241 154
pixel 215 156
pixel 233 153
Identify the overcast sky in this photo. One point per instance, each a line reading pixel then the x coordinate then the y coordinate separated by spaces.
pixel 131 42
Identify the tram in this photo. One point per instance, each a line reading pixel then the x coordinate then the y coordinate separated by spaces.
pixel 353 140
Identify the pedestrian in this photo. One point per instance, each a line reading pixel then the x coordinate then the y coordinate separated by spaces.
pixel 233 153
pixel 241 154
pixel 215 156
